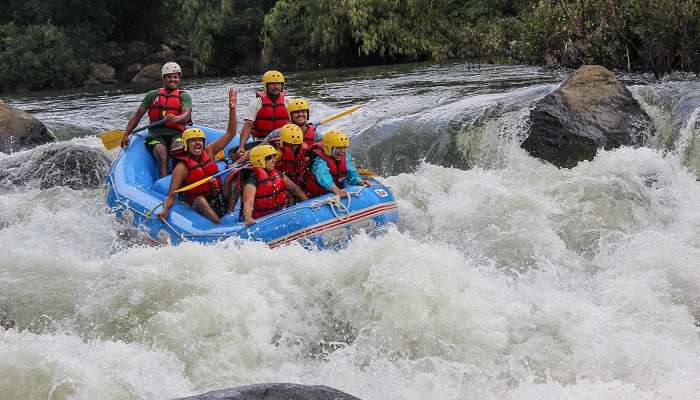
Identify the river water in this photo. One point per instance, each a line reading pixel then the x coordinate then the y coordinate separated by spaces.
pixel 506 278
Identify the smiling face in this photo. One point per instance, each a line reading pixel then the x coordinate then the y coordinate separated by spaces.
pixel 195 147
pixel 299 117
pixel 171 81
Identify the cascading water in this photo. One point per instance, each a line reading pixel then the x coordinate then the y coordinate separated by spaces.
pixel 505 279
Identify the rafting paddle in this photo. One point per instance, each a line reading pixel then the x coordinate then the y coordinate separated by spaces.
pixel 113 139
pixel 340 114
pixel 209 178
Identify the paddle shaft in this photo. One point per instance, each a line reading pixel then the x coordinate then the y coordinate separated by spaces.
pixel 209 178
pixel 340 114
pixel 149 126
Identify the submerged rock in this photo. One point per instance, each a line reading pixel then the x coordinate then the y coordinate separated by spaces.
pixel 275 391
pixel 590 110
pixel 19 130
pixel 59 164
pixel 5 321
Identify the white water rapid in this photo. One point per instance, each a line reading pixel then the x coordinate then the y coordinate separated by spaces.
pixel 510 280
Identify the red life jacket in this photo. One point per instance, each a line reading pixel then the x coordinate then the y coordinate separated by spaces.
pixel 310 135
pixel 272 115
pixel 166 103
pixel 294 165
pixel 338 170
pixel 198 170
pixel 270 194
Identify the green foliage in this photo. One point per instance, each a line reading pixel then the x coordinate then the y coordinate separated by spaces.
pixel 37 56
pixel 222 32
pixel 305 34
pixel 651 34
pixel 222 35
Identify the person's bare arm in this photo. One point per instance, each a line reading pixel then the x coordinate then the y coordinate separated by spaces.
pixel 245 134
pixel 219 144
pixel 131 125
pixel 247 203
pixel 182 118
pixel 179 175
pixel 294 188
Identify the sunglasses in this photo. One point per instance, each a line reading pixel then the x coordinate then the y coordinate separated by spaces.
pixel 270 157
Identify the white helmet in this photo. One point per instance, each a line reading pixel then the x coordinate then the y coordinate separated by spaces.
pixel 171 68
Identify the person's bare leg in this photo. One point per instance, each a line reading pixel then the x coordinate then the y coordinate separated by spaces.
pixel 160 152
pixel 201 205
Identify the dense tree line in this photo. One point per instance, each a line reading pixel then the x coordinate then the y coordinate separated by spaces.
pixel 52 43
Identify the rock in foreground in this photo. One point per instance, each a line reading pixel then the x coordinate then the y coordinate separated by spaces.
pixel 275 391
pixel 59 164
pixel 19 130
pixel 590 110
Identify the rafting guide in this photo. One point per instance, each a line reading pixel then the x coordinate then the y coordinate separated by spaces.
pixel 170 105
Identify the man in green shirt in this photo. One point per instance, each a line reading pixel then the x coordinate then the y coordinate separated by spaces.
pixel 168 103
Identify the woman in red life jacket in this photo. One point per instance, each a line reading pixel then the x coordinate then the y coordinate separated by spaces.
pixel 331 168
pixel 168 103
pixel 198 163
pixel 264 187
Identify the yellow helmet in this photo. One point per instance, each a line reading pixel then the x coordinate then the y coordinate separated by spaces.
pixel 298 105
pixel 192 133
pixel 292 134
pixel 333 139
pixel 258 154
pixel 272 77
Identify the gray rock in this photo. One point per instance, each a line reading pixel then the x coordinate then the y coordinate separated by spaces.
pixel 58 164
pixel 20 130
pixel 590 110
pixel 5 321
pixel 149 73
pixel 128 73
pixel 104 73
pixel 275 391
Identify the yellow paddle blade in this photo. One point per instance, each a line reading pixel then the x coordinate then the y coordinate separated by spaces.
pixel 191 185
pixel 112 139
pixel 366 172
pixel 340 114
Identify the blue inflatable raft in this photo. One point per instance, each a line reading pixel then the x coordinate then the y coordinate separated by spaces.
pixel 135 195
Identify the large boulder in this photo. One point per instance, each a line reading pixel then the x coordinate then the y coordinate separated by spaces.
pixel 58 164
pixel 275 391
pixel 104 73
pixel 20 130
pixel 590 110
pixel 128 73
pixel 149 73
